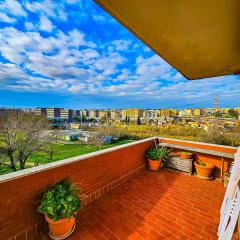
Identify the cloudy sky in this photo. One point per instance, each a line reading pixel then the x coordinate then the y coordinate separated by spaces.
pixel 72 54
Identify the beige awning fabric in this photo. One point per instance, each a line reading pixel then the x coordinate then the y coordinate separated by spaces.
pixel 199 38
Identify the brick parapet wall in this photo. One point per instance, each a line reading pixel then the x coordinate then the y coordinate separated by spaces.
pixel 217 161
pixel 94 173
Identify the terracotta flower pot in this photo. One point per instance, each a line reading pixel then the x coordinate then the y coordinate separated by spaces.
pixel 154 164
pixel 204 171
pixel 186 155
pixel 61 228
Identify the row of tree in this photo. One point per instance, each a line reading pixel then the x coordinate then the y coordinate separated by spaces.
pixel 230 113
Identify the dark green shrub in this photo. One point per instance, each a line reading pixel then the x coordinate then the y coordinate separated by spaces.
pixel 60 201
pixel 157 153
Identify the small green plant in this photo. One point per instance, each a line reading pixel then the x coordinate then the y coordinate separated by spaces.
pixel 157 153
pixel 60 201
pixel 187 153
pixel 202 164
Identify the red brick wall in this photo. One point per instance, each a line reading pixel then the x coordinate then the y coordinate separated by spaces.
pixel 204 157
pixel 95 175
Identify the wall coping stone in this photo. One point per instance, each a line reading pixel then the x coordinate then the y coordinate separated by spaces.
pixel 44 167
pixel 200 143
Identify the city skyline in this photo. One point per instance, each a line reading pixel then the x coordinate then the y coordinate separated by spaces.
pixel 74 55
pixel 115 108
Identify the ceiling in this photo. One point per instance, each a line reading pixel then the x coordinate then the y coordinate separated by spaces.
pixel 200 38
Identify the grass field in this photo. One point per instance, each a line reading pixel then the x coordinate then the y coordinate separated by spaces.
pixel 62 151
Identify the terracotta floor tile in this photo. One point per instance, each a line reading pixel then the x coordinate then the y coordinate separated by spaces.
pixel 154 205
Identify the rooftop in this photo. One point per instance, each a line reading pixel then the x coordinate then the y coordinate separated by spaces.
pixel 121 198
pixel 154 205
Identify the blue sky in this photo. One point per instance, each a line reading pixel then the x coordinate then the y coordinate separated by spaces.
pixel 72 54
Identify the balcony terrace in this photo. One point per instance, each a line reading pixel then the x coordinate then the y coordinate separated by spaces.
pixel 122 199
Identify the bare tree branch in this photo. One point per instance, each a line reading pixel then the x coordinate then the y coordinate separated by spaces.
pixel 23 134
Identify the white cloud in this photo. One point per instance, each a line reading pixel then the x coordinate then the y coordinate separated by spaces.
pixel 5 18
pixel 29 26
pixel 121 45
pixel 45 24
pixel 49 8
pixel 12 7
pixel 64 66
pixel 91 53
pixel 59 59
pixel 74 1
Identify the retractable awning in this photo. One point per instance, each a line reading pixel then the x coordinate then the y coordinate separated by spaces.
pixel 199 38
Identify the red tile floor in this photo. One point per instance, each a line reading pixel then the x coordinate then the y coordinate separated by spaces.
pixel 154 205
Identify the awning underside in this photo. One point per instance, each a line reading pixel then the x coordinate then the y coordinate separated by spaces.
pixel 199 38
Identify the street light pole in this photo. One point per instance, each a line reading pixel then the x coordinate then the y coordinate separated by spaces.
pixel 81 117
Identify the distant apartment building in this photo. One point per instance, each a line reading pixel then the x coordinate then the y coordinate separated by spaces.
pixel 168 112
pixel 197 112
pixel 84 113
pixel 53 112
pixel 173 112
pixel 132 114
pixel 93 113
pixel 25 110
pixel 76 113
pixel 104 114
pixel 188 112
pixel 4 111
pixel 185 113
pixel 40 111
pixel 81 113
pixel 208 111
pixel 181 113
pixel 116 114
pixel 237 110
pixel 165 112
pixel 151 114
pixel 66 114
pixel 224 110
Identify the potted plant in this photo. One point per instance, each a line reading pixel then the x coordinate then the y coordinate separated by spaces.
pixel 155 155
pixel 204 169
pixel 226 178
pixel 186 155
pixel 60 204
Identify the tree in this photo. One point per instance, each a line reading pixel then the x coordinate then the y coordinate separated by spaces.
pixel 138 121
pixel 84 118
pixel 232 113
pixel 217 114
pixel 91 120
pixel 76 119
pixel 103 119
pixel 151 122
pixel 23 134
pixel 216 135
pixel 96 139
